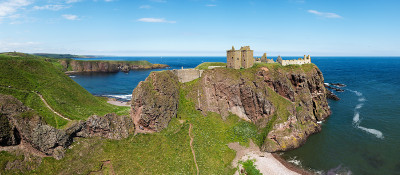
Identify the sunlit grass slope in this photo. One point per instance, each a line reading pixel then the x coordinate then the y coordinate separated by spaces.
pixel 21 75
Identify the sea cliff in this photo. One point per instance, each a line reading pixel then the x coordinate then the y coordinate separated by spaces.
pixel 286 103
pixel 73 66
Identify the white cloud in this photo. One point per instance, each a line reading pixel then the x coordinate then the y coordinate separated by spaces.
pixel 71 1
pixel 324 14
pixel 211 5
pixel 155 20
pixel 9 7
pixel 50 7
pixel 145 7
pixel 70 17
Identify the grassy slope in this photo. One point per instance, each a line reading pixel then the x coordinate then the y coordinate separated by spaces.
pixel 204 66
pixel 27 73
pixel 61 56
pixel 166 152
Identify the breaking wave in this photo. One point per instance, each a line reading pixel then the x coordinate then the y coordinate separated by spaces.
pixel 356 117
pixel 122 97
pixel 72 76
pixel 294 161
pixel 375 132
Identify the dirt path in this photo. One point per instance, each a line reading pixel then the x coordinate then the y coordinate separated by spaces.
pixel 48 106
pixel 191 147
pixel 108 162
pixel 41 97
pixel 104 164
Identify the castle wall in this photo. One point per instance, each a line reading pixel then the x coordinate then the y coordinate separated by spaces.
pixel 233 59
pixel 247 59
pixel 186 75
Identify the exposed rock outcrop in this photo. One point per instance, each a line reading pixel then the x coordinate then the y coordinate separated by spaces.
pixel 290 101
pixel 107 66
pixel 287 101
pixel 110 126
pixel 19 122
pixel 155 101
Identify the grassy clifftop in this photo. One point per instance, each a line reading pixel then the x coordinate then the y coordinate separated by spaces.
pixel 23 76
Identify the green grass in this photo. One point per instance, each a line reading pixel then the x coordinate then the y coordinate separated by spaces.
pixel 166 152
pixel 277 66
pixel 204 66
pixel 20 76
pixel 250 168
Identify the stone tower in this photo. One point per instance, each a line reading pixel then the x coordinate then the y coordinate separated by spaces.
pixel 264 58
pixel 242 58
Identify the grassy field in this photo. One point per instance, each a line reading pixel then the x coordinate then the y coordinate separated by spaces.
pixel 204 66
pixel 22 75
pixel 166 152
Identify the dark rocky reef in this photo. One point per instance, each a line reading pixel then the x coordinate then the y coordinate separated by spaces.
pixel 76 66
pixel 331 95
pixel 155 101
pixel 288 102
pixel 19 123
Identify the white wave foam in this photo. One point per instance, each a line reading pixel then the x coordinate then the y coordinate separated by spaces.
pixel 327 84
pixel 375 132
pixel 359 106
pixel 294 161
pixel 72 76
pixel 126 97
pixel 362 99
pixel 358 93
pixel 319 122
pixel 356 118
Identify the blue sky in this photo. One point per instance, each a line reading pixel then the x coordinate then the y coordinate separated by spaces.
pixel 201 27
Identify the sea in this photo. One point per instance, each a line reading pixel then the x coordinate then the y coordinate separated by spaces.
pixel 362 136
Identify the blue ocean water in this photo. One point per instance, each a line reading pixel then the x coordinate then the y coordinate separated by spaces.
pixel 360 137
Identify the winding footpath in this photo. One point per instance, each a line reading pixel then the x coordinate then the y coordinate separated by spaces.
pixel 51 109
pixel 191 147
pixel 41 97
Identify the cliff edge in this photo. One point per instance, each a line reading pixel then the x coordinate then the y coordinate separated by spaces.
pixel 73 66
pixel 285 102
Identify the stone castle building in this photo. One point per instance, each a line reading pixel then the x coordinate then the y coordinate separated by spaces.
pixel 300 61
pixel 264 59
pixel 242 58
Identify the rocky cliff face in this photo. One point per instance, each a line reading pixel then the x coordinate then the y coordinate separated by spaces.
pixel 20 123
pixel 107 66
pixel 155 101
pixel 287 101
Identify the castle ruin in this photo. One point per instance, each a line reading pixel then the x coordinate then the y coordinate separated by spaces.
pixel 242 58
pixel 300 61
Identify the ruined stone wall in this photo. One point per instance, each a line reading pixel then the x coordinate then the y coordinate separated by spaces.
pixel 233 59
pixel 186 75
pixel 247 58
pixel 300 61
